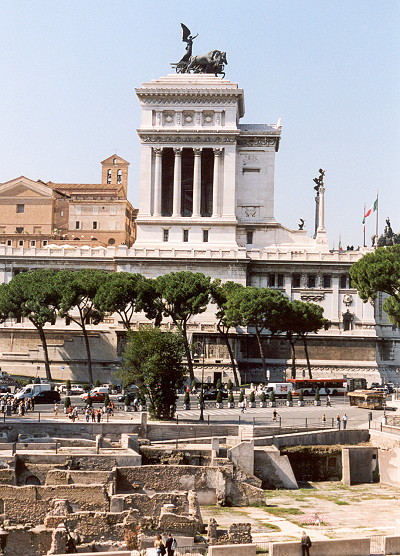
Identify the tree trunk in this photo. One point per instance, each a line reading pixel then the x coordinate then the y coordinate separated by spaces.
pixel 225 337
pixel 187 351
pixel 262 351
pixel 89 357
pixel 307 356
pixel 293 350
pixel 45 350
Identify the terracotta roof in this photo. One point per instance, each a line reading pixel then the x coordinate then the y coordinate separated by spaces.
pixel 71 186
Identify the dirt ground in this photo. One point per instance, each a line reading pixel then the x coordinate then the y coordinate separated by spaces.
pixel 328 510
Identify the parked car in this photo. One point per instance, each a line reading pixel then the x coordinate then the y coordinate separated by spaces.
pixel 76 389
pixel 46 396
pixel 4 389
pixel 96 397
pixel 132 396
pixel 212 394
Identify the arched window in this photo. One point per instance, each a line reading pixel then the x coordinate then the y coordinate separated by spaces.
pixel 109 174
pixel 119 176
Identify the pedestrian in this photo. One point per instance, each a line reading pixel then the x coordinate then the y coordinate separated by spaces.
pixel 93 414
pixel 328 401
pixel 98 415
pixel 338 421
pixel 171 545
pixel 159 546
pixel 324 419
pixel 344 419
pixel 305 544
pixel 88 411
pixel 55 410
pixel 274 415
pixel 243 405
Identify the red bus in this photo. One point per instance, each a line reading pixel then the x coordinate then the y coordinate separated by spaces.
pixel 332 386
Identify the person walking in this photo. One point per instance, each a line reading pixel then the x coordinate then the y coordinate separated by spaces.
pixel 344 420
pixel 338 421
pixel 328 401
pixel 274 415
pixel 159 546
pixel 305 544
pixel 324 419
pixel 171 545
pixel 55 410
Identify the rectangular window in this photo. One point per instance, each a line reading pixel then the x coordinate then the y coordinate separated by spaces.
pixel 327 281
pixel 185 236
pixel 296 281
pixel 21 243
pixel 165 235
pixel 249 238
pixel 205 236
pixel 33 243
pixel 343 281
pixel 44 243
pixel 77 223
pixel 9 242
pixel 271 280
pixel 94 226
pixel 61 213
pixel 281 280
pixel 20 208
pixel 311 280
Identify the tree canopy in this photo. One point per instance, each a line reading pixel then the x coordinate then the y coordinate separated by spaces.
pixel 182 295
pixel 35 296
pixel 153 361
pixel 260 308
pixel 380 272
pixel 78 290
pixel 220 293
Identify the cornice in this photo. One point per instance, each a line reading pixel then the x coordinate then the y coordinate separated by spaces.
pixel 195 136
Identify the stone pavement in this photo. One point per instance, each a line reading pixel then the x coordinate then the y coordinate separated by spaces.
pixel 326 511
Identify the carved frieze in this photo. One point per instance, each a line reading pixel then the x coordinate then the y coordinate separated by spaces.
pixel 312 296
pixel 156 138
pixel 257 141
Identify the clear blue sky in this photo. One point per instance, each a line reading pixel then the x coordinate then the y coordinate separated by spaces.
pixel 329 69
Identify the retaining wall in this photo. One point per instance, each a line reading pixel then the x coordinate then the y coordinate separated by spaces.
pixel 341 547
pixel 232 550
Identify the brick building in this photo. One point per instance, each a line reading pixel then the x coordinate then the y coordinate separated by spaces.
pixel 37 214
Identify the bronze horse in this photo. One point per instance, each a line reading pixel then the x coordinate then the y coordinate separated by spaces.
pixel 212 62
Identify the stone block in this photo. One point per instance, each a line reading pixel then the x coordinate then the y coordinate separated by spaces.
pixel 232 550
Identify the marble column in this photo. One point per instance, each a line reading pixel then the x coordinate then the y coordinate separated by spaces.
pixel 216 181
pixel 197 182
pixel 157 181
pixel 321 210
pixel 176 207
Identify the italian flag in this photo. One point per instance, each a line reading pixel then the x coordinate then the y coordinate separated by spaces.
pixel 372 208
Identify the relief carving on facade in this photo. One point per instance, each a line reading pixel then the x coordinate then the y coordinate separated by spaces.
pixel 257 141
pixel 251 211
pixel 312 297
pixel 156 138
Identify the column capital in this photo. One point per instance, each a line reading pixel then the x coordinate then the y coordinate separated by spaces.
pixel 197 151
pixel 218 151
pixel 158 150
pixel 178 151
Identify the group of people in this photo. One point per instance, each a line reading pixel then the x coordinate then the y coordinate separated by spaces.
pixel 19 407
pixel 168 547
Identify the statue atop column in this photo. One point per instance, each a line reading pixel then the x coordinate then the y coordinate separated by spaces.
pixel 212 62
pixel 319 180
pixel 319 188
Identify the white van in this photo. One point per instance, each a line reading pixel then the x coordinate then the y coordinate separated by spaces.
pixel 280 389
pixel 31 390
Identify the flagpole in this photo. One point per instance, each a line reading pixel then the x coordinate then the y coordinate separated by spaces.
pixel 365 208
pixel 377 210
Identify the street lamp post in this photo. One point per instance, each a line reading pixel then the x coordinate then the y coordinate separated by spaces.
pixel 203 349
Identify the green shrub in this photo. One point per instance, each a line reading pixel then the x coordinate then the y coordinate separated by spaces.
pixel 97 383
pixel 262 397
pixel 317 396
pixel 67 402
pixel 252 397
pixel 127 400
pixel 194 385
pixel 230 397
pixel 272 396
pixel 68 385
pixel 219 384
pixel 186 398
pixel 301 396
pixel 219 397
pixel 229 385
pixel 241 396
pixel 289 396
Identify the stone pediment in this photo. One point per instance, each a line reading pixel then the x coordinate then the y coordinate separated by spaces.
pixel 24 187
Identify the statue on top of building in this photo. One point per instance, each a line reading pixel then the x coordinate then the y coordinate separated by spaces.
pixel 319 180
pixel 212 62
pixel 388 237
